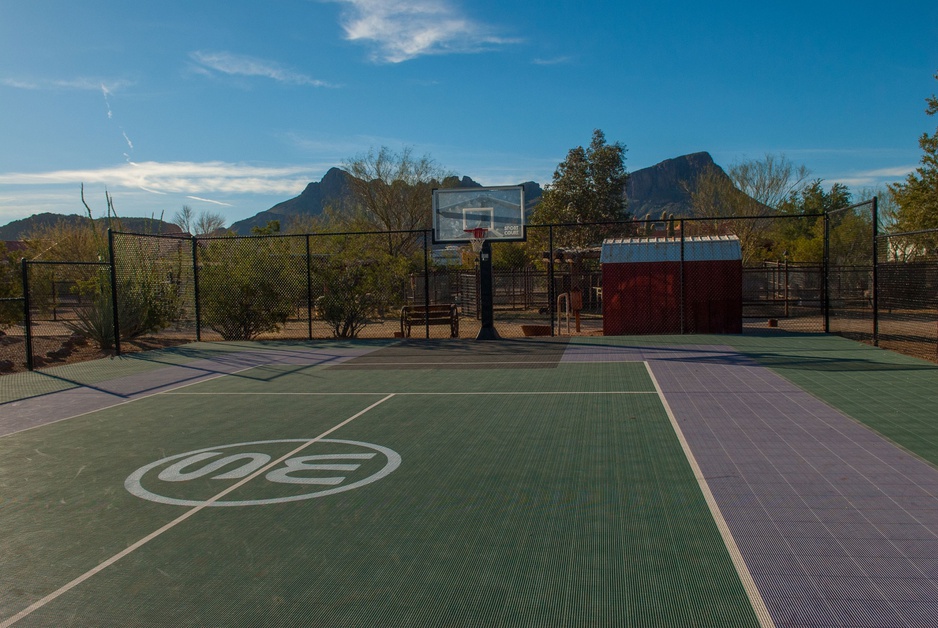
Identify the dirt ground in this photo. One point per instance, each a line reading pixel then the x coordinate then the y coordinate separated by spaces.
pixel 13 350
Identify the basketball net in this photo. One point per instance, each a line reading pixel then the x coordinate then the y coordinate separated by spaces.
pixel 477 238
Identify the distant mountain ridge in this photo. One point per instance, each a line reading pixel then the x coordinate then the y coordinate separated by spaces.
pixel 20 229
pixel 334 190
pixel 665 187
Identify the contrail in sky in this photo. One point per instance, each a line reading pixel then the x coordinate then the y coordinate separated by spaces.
pixel 110 116
pixel 208 200
pixel 107 102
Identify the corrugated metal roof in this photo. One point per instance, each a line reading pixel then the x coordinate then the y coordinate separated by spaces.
pixel 696 249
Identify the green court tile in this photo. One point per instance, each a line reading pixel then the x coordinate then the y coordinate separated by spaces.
pixel 895 395
pixel 537 508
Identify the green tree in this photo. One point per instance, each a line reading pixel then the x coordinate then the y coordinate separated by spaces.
pixel 272 227
pixel 588 186
pixel 917 196
pixel 802 236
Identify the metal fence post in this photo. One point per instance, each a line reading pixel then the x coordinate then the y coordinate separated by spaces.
pixel 826 270
pixel 309 290
pixel 550 276
pixel 682 300
pixel 111 259
pixel 426 283
pixel 27 321
pixel 195 288
pixel 874 280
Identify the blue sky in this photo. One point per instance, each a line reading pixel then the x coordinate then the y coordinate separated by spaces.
pixel 235 106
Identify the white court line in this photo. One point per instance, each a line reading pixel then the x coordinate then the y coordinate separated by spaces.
pixel 755 598
pixel 482 392
pixel 172 524
pixel 353 366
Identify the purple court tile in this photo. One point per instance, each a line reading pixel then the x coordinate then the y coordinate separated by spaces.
pixel 32 412
pixel 838 526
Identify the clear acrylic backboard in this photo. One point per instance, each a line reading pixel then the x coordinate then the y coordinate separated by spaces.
pixel 457 212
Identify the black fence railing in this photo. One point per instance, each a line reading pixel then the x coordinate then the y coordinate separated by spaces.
pixel 809 273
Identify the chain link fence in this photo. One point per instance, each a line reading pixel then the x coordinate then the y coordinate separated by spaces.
pixel 65 305
pixel 849 235
pixel 805 273
pixel 907 293
pixel 12 336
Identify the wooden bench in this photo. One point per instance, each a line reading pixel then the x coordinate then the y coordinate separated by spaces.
pixel 420 315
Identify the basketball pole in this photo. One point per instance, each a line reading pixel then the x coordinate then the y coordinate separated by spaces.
pixel 487 302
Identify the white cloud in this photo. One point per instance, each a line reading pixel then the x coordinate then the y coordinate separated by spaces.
pixel 178 178
pixel 552 61
pixel 81 83
pixel 405 29
pixel 870 178
pixel 242 65
pixel 152 188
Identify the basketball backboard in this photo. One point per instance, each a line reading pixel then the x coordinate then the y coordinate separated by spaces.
pixel 499 210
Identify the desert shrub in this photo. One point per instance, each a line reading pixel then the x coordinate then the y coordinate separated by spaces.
pixel 144 307
pixel 11 290
pixel 347 301
pixel 360 283
pixel 248 290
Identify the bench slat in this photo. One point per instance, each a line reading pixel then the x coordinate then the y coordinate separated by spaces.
pixel 437 314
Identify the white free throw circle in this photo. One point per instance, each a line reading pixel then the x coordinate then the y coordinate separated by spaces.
pixel 282 474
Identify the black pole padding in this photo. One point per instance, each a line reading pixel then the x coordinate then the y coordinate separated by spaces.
pixel 488 331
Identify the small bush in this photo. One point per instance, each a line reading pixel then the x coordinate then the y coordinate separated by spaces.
pixel 242 308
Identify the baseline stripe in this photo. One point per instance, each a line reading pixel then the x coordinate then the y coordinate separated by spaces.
pixel 172 524
pixel 755 598
pixel 513 392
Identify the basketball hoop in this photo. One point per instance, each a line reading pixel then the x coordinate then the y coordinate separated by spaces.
pixel 477 238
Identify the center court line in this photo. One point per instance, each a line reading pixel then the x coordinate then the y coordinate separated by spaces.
pixel 172 524
pixel 755 598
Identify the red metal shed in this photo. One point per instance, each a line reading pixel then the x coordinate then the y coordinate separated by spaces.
pixel 651 287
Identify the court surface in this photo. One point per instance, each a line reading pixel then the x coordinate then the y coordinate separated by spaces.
pixel 782 479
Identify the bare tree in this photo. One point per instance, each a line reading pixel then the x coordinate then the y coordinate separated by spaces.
pixel 768 181
pixel 184 219
pixel 738 200
pixel 392 192
pixel 208 222
pixel 202 223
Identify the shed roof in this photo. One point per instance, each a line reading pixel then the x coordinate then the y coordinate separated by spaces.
pixel 696 249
